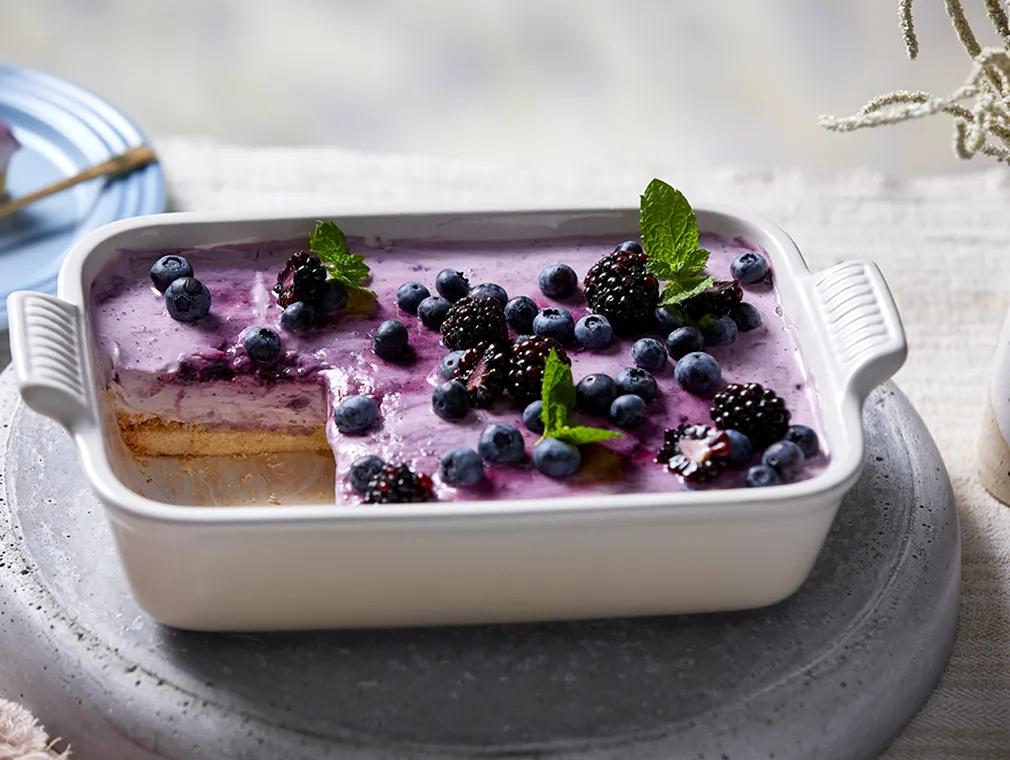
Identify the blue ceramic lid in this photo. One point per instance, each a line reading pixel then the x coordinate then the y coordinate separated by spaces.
pixel 62 130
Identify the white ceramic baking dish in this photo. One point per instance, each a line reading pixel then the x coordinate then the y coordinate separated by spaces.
pixel 310 566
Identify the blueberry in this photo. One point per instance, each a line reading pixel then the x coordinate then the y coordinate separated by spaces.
pixel 717 331
pixel 362 470
pixel 698 373
pixel 749 267
pixel 451 285
pixel 556 459
pixel 760 476
pixel 785 457
pixel 628 411
pixel 490 290
pixel 555 322
pixel 595 393
pixel 449 363
pixel 531 416
pixel 298 318
pixel 501 443
pixel 683 341
pixel 594 332
pixel 187 299
pixel 746 317
pixel 333 299
pixel 637 381
pixel 262 344
pixel 805 438
pixel 558 281
pixel 390 340
pixel 740 449
pixel 355 414
pixel 461 467
pixel 168 269
pixel 669 318
pixel 519 313
pixel 629 245
pixel 649 353
pixel 409 296
pixel 432 311
pixel 449 400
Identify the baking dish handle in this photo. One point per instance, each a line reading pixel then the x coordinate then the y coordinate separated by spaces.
pixel 47 351
pixel 866 340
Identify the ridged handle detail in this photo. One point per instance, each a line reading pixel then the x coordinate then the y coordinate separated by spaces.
pixel 864 331
pixel 47 350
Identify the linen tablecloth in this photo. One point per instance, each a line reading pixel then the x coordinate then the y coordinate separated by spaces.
pixel 942 242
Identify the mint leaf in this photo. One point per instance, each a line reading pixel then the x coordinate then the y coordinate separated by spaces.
pixel 558 398
pixel 578 435
pixel 670 236
pixel 329 243
pixel 680 288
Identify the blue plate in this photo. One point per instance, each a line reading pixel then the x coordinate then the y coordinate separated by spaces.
pixel 62 130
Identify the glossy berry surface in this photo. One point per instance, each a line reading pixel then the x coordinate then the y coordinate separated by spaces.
pixel 168 269
pixel 449 400
pixel 187 299
pixel 558 281
pixel 746 317
pixel 501 443
pixel 668 319
pixel 390 340
pixel 740 449
pixel 698 373
pixel 555 322
pixel 683 341
pixel 717 331
pixel 520 312
pixel 472 321
pixel 332 299
pixel 593 331
pixel 697 453
pixel 409 296
pixel 629 245
pixel 362 470
pixel 620 288
pixel 354 415
pixel 298 318
pixel 302 279
pixel 785 457
pixel 447 366
pixel 556 459
pixel 756 411
pixel 531 416
pixel 461 467
pixel 628 411
pixel 398 484
pixel 526 366
pixel 595 393
pixel 451 285
pixel 484 372
pixel 805 438
pixel 760 476
pixel 749 268
pixel 490 290
pixel 649 353
pixel 433 311
pixel 637 381
pixel 262 344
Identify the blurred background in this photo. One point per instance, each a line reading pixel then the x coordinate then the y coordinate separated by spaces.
pixel 695 82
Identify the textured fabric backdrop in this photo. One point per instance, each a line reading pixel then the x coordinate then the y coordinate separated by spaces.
pixel 943 243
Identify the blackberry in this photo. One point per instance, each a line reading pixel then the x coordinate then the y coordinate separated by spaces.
pixel 472 321
pixel 526 368
pixel 302 279
pixel 718 300
pixel 619 287
pixel 398 484
pixel 484 370
pixel 697 453
pixel 757 412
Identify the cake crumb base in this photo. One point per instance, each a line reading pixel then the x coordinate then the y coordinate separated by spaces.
pixel 159 437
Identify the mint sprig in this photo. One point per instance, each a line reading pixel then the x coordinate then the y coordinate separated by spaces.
pixel 558 398
pixel 329 243
pixel 670 236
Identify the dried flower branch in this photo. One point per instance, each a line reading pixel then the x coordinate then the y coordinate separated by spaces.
pixel 983 126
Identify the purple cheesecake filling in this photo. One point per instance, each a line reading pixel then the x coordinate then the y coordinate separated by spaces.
pixel 198 372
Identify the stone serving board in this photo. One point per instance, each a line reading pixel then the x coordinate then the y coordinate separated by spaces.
pixel 833 672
